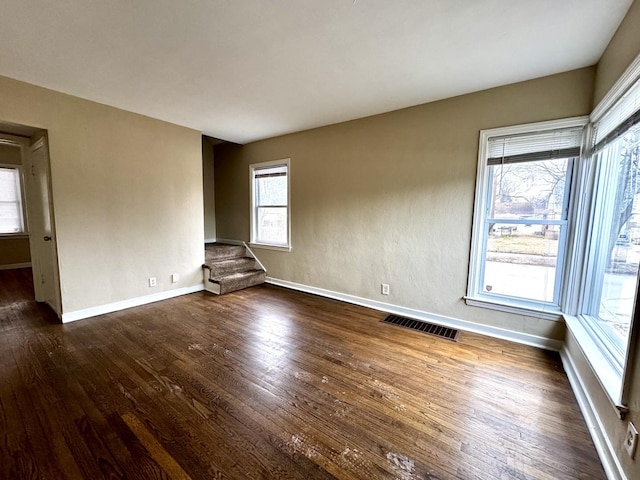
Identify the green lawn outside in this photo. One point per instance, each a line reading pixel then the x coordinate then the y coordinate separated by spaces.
pixel 523 244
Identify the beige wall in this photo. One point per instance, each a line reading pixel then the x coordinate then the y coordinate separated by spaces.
pixel 622 50
pixel 13 250
pixel 209 200
pixel 127 193
pixel 389 198
pixel 10 155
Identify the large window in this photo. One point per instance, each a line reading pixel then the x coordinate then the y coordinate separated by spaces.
pixel 521 217
pixel 270 217
pixel 557 227
pixel 614 246
pixel 11 208
pixel 606 301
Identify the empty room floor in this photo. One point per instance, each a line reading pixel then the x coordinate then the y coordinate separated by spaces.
pixel 271 383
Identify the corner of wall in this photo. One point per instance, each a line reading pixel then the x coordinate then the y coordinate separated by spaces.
pixel 620 52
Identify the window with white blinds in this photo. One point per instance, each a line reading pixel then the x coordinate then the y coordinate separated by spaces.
pixel 556 230
pixel 604 322
pixel 624 114
pixel 270 217
pixel 532 146
pixel 11 208
pixel 521 218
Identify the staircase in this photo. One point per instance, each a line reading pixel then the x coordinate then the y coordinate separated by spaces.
pixel 228 268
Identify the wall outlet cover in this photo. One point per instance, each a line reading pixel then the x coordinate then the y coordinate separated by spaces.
pixel 631 439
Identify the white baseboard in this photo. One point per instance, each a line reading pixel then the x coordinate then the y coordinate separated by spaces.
pixel 12 266
pixel 606 452
pixel 124 304
pixel 210 240
pixel 517 337
pixel 230 241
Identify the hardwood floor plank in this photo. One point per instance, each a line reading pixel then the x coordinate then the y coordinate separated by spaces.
pixel 159 454
pixel 39 400
pixel 270 383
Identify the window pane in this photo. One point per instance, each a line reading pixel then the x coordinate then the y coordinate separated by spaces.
pixel 270 203
pixel 533 190
pixel 272 225
pixel 616 238
pixel 11 220
pixel 271 191
pixel 522 255
pixel 522 260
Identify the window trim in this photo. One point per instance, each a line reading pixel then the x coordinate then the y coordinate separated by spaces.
pixel 612 373
pixel 599 361
pixel 612 376
pixel 590 293
pixel 624 83
pixel 610 370
pixel 286 162
pixel 502 302
pixel 25 224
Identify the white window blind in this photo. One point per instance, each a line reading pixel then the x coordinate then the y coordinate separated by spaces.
pixel 271 172
pixel 623 115
pixel 546 145
pixel 11 216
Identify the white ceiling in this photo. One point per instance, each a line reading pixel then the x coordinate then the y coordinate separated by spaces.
pixel 243 70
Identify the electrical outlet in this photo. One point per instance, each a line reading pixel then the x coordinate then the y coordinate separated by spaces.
pixel 385 289
pixel 152 281
pixel 174 278
pixel 631 440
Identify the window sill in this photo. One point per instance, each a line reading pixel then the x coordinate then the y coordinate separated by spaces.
pixel 266 246
pixel 14 235
pixel 546 314
pixel 605 371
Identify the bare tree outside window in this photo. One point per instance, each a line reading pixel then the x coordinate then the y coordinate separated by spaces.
pixel 522 246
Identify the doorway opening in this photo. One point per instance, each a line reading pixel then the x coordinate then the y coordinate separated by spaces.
pixel 27 222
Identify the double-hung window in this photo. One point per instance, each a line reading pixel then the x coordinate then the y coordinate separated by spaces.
pixel 522 215
pixel 270 213
pixel 557 227
pixel 12 218
pixel 607 299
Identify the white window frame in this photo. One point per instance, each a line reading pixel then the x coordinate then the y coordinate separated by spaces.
pixel 254 242
pixel 575 302
pixel 611 371
pixel 596 350
pixel 475 296
pixel 25 228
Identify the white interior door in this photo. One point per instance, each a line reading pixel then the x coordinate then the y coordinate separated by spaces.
pixel 41 225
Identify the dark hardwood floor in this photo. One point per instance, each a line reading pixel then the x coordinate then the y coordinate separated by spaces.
pixel 269 383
